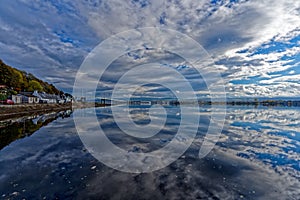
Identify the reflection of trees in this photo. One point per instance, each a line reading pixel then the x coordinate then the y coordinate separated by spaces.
pixel 21 129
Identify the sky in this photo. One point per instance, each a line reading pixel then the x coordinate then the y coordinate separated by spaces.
pixel 255 44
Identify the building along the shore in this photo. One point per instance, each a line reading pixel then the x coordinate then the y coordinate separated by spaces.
pixel 28 97
pixel 46 98
pixel 17 99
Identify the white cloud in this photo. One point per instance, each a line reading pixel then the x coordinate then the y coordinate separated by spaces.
pixel 39 36
pixel 292 72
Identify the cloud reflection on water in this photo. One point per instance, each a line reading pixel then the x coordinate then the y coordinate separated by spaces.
pixel 53 162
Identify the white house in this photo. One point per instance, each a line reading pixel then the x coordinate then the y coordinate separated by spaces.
pixel 46 98
pixel 17 99
pixel 28 97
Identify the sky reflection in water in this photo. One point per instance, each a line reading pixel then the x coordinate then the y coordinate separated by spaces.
pixel 257 157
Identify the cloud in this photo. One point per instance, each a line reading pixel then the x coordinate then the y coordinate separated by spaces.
pixel 38 34
pixel 52 38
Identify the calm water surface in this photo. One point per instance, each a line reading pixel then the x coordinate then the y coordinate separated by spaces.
pixel 256 157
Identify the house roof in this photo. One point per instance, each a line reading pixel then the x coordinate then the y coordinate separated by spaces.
pixel 27 94
pixel 48 96
pixel 18 95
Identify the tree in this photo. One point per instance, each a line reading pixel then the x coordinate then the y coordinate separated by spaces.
pixel 22 81
pixel 3 97
pixel 34 85
pixel 16 80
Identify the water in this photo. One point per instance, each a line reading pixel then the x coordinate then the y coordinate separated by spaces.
pixel 256 157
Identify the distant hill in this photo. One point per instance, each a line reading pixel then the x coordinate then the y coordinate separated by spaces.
pixel 17 81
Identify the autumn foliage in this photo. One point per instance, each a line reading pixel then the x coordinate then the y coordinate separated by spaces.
pixel 18 80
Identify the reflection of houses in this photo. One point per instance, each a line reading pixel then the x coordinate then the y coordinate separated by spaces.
pixel 153 102
pixel 46 98
pixel 162 102
pixel 146 103
pixel 106 102
pixel 143 103
pixel 135 102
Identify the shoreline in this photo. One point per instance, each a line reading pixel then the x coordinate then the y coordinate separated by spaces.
pixel 24 110
pixel 8 112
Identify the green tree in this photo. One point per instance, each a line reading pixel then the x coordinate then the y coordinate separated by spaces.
pixel 34 85
pixel 3 97
pixel 16 79
pixel 22 81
